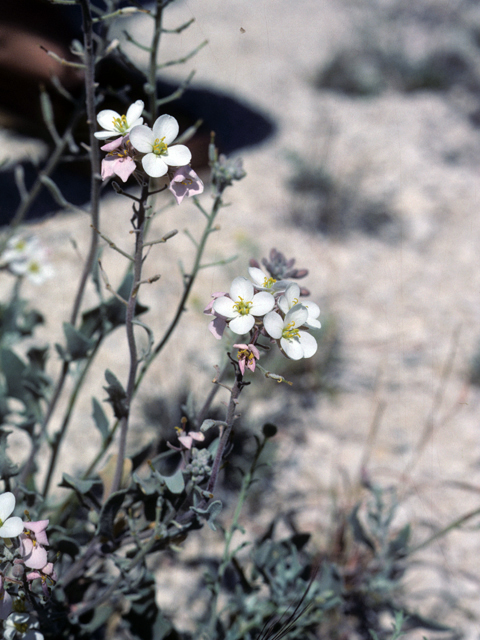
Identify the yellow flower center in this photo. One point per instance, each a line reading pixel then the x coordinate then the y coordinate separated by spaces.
pixel 21 628
pixel 269 282
pixel 245 353
pixel 34 267
pixel 159 147
pixel 120 124
pixel 290 332
pixel 242 307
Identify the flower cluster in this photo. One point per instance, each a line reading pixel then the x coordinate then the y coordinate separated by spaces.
pixel 30 553
pixel 263 306
pixel 148 148
pixel 26 257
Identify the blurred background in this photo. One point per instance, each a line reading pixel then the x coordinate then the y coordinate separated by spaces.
pixel 359 126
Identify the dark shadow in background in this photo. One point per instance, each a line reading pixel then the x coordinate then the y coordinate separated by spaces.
pixel 236 124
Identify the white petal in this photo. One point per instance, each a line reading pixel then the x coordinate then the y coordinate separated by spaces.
pixel 106 117
pixel 257 276
pixel 12 528
pixel 292 348
pixel 178 156
pixel 154 166
pixel 166 127
pixel 134 112
pixel 225 307
pixel 297 314
pixel 292 294
pixel 142 138
pixel 7 505
pixel 313 323
pixel 103 135
pixel 273 324
pixel 241 288
pixel 283 304
pixel 263 302
pixel 242 324
pixel 308 344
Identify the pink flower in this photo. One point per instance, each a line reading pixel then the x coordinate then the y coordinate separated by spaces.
pixel 218 324
pixel 247 356
pixel 185 183
pixel 119 161
pixel 47 576
pixel 39 528
pixel 187 439
pixel 33 553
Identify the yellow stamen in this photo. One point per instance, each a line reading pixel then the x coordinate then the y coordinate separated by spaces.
pixel 242 307
pixel 159 147
pixel 290 331
pixel 268 282
pixel 120 124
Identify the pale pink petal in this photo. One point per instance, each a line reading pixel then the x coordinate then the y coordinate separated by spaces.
pixel 254 350
pixel 186 441
pixel 124 167
pixel 242 324
pixel 166 127
pixel 217 327
pixel 34 555
pixel 39 528
pixel 110 146
pixel 179 190
pixel 108 167
pixel 142 138
pixel 154 166
pixel 178 155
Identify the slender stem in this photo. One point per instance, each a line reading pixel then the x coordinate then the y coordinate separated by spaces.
pixel 190 279
pixel 53 160
pixel 224 438
pixel 132 347
pixel 89 60
pixel 152 66
pixel 226 557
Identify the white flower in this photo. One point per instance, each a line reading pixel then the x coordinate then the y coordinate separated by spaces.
pixel 295 344
pixel 242 305
pixel 19 248
pixel 291 298
pixel 154 142
pixel 21 625
pixel 34 266
pixel 117 125
pixel 266 283
pixel 10 527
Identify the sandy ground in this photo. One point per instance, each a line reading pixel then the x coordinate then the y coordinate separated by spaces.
pixel 404 298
